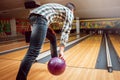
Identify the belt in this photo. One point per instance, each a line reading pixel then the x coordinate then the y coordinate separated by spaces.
pixel 37 15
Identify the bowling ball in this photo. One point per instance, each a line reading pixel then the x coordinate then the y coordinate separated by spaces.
pixel 56 66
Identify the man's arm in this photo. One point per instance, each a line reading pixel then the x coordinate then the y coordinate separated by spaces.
pixel 66 31
pixel 64 38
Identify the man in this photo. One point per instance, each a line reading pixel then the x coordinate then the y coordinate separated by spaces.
pixel 40 18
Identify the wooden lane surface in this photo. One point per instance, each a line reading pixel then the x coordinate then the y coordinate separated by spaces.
pixel 85 53
pixel 17 44
pixel 19 54
pixel 9 69
pixel 13 45
pixel 115 39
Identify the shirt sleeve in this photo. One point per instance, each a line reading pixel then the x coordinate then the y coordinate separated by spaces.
pixel 65 32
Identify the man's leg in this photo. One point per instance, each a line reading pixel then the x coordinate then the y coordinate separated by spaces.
pixel 53 42
pixel 39 30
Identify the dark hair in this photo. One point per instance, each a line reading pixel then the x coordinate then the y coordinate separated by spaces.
pixel 70 6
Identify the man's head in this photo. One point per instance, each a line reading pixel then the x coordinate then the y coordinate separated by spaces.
pixel 71 6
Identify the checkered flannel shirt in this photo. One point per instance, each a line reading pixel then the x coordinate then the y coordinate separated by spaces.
pixel 54 12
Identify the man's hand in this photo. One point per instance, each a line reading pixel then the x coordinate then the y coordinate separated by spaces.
pixel 61 53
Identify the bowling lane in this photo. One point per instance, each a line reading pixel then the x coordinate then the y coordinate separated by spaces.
pixel 19 54
pixel 115 39
pixel 9 69
pixel 19 44
pixel 15 44
pixel 85 53
pixel 12 45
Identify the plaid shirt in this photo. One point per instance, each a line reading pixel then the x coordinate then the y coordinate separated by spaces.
pixel 54 12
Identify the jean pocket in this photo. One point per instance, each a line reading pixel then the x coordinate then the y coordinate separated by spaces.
pixel 41 20
pixel 33 19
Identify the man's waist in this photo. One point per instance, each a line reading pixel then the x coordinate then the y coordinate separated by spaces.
pixel 37 15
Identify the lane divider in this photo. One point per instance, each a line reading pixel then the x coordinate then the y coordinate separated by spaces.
pixel 109 63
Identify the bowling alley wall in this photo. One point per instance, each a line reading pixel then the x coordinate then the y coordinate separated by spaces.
pixel 111 25
pixel 105 24
pixel 14 26
pixel 10 26
pixel 5 26
pixel 22 25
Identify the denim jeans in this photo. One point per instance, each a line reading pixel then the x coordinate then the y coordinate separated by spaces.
pixel 38 35
pixel 53 42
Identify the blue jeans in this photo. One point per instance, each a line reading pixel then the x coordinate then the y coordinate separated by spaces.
pixel 38 35
pixel 53 42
